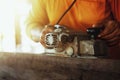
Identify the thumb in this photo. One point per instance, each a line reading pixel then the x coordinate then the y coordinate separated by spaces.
pixel 99 27
pixel 94 25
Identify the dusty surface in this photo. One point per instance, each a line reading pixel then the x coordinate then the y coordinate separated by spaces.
pixel 41 67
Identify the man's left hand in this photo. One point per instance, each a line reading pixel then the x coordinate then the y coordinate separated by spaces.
pixel 111 32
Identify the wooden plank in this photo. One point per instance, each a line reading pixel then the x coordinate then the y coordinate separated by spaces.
pixel 23 66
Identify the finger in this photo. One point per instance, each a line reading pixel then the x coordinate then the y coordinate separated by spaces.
pixel 113 41
pixel 47 30
pixel 110 28
pixel 110 35
pixel 42 40
pixel 97 25
pixel 43 43
pixel 49 27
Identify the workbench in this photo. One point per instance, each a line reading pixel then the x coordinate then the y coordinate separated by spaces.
pixel 28 66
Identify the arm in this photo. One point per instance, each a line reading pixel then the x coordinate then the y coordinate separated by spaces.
pixel 111 33
pixel 37 18
pixel 115 7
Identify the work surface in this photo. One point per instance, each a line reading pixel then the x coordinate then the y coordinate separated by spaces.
pixel 41 67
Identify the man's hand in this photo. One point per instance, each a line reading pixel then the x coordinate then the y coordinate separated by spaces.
pixel 47 29
pixel 111 32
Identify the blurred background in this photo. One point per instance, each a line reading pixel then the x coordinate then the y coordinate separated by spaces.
pixel 13 37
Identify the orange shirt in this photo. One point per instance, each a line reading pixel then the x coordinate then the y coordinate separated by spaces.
pixel 82 15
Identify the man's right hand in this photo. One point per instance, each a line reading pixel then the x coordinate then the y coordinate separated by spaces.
pixel 47 29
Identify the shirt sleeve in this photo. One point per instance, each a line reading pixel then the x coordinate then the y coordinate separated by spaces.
pixel 37 16
pixel 115 6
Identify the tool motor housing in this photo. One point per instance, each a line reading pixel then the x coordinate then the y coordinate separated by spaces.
pixel 83 43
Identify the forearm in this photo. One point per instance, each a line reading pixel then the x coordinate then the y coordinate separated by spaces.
pixel 33 31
